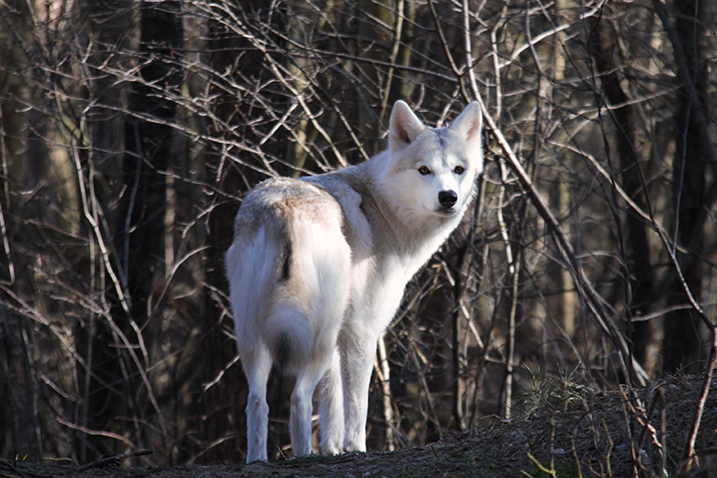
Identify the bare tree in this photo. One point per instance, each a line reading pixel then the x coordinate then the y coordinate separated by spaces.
pixel 692 196
pixel 620 111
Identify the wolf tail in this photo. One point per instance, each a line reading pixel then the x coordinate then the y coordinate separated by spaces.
pixel 266 312
pixel 288 335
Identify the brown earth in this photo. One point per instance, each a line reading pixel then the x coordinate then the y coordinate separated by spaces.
pixel 566 429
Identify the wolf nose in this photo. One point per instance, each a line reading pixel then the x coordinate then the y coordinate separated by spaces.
pixel 447 198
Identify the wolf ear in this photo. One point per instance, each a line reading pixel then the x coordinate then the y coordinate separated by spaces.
pixel 469 124
pixel 404 127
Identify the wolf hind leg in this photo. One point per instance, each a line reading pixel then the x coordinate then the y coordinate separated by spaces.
pixel 322 268
pixel 301 407
pixel 322 367
pixel 331 408
pixel 257 365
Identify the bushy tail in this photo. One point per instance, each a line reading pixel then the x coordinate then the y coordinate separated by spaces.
pixel 288 334
pixel 265 312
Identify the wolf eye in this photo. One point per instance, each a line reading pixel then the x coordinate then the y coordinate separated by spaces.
pixel 424 170
pixel 459 170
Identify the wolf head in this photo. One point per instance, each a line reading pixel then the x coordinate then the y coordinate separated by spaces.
pixel 432 172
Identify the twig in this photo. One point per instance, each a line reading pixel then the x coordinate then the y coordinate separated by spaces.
pixel 468 46
pixel 663 432
pixel 392 60
pixel 383 371
pixel 630 412
pixel 4 153
pixel 540 466
pixel 111 459
pixel 645 423
pixel 575 454
pixel 688 453
pixel 514 271
pixel 103 433
pixel 609 450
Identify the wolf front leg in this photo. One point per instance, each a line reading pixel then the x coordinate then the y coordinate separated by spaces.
pixel 331 408
pixel 257 365
pixel 357 357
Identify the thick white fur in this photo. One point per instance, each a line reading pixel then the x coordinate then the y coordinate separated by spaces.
pixel 319 265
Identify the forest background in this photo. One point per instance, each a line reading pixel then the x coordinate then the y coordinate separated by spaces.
pixel 130 130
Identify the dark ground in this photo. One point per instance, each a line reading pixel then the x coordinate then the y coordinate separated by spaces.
pixel 564 428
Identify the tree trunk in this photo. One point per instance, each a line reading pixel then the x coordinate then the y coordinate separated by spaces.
pixel 138 225
pixel 681 346
pixel 148 145
pixel 624 116
pixel 108 27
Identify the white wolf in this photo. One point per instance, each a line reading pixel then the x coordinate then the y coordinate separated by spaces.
pixel 318 267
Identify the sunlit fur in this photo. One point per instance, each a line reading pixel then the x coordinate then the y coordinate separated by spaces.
pixel 319 265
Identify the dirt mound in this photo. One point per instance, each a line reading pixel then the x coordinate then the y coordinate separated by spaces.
pixel 564 430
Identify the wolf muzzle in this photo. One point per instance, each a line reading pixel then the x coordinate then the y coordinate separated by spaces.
pixel 447 199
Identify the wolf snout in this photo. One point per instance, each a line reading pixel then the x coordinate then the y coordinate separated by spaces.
pixel 447 199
